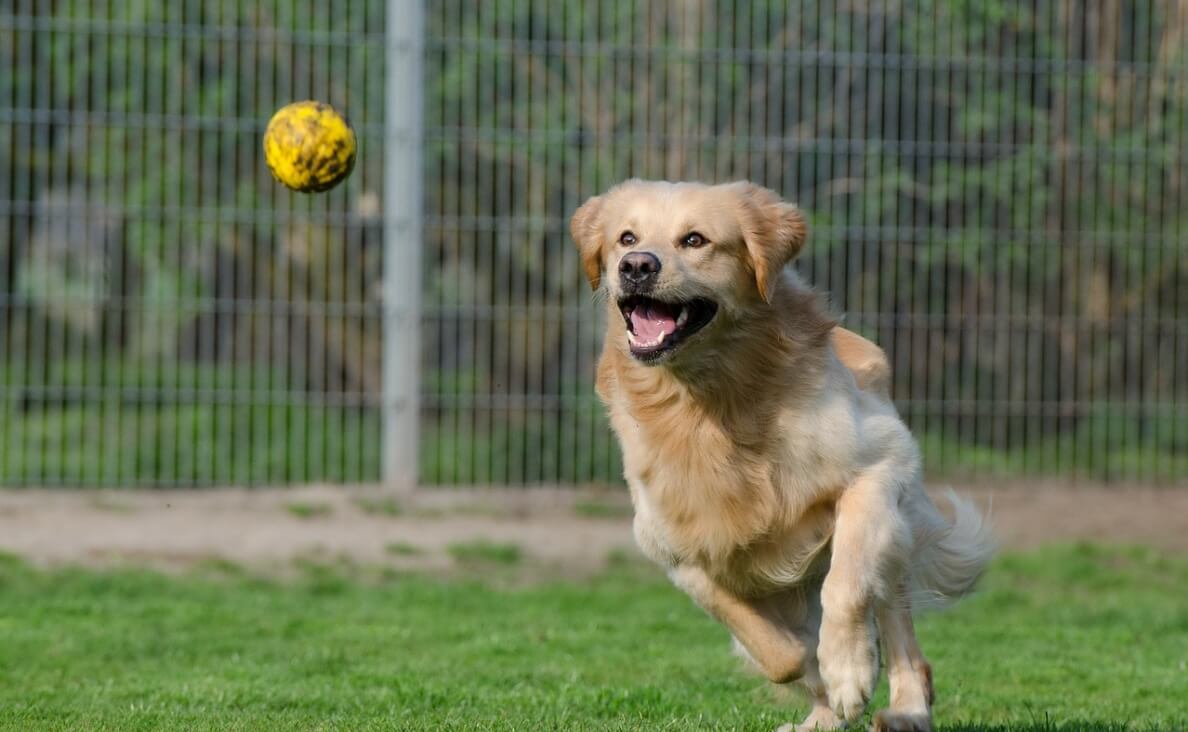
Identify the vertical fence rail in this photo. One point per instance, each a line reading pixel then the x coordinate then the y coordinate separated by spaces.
pixel 996 193
pixel 403 241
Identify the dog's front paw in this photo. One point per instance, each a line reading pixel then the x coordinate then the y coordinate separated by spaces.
pixel 849 667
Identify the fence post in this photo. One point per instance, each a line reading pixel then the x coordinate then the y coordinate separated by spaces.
pixel 403 203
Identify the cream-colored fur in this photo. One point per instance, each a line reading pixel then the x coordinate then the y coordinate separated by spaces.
pixel 771 474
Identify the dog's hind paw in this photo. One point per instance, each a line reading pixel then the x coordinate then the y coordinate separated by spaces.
pixel 889 721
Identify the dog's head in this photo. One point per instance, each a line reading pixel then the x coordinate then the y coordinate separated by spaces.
pixel 677 257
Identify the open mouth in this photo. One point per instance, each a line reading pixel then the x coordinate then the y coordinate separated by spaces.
pixel 655 327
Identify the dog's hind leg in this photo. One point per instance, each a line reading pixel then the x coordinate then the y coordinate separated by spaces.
pixel 908 673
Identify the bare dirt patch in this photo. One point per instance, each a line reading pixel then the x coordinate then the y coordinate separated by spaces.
pixel 552 527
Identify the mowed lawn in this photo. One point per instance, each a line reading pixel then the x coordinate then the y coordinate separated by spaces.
pixel 1075 638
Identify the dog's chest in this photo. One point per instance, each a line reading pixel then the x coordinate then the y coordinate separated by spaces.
pixel 698 494
pixel 755 513
pixel 754 545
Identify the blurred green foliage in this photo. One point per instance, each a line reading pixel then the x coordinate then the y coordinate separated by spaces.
pixel 996 190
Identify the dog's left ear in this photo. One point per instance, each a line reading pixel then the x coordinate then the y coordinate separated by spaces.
pixel 586 233
pixel 774 231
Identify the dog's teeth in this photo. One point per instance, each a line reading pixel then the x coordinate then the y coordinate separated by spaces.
pixel 635 341
pixel 682 318
pixel 631 336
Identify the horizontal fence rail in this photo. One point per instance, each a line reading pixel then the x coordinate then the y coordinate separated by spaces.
pixel 997 195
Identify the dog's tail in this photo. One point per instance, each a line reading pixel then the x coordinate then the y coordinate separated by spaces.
pixel 949 557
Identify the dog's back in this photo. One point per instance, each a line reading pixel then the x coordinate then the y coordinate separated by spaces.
pixel 866 360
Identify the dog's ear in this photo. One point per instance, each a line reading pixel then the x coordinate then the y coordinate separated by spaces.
pixel 586 232
pixel 774 231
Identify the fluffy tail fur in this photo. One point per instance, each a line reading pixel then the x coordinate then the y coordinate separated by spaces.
pixel 949 557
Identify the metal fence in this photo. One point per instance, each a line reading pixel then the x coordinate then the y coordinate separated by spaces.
pixel 998 195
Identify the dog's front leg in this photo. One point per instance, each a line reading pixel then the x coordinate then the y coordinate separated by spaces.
pixel 779 653
pixel 870 541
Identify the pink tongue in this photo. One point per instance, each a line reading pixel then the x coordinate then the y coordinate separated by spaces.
pixel 650 322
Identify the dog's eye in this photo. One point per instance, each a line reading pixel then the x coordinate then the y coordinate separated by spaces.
pixel 693 239
pixel 627 239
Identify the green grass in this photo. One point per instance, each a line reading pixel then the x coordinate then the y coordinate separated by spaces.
pixel 379 506
pixel 403 549
pixel 1077 638
pixel 112 502
pixel 603 509
pixel 304 510
pixel 485 552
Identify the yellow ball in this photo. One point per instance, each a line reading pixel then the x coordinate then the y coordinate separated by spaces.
pixel 309 146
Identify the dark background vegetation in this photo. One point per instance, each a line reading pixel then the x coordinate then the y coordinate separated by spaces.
pixel 997 192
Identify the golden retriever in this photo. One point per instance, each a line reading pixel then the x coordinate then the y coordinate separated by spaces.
pixel 770 473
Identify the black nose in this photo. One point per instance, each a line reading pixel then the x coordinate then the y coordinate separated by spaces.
pixel 639 268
